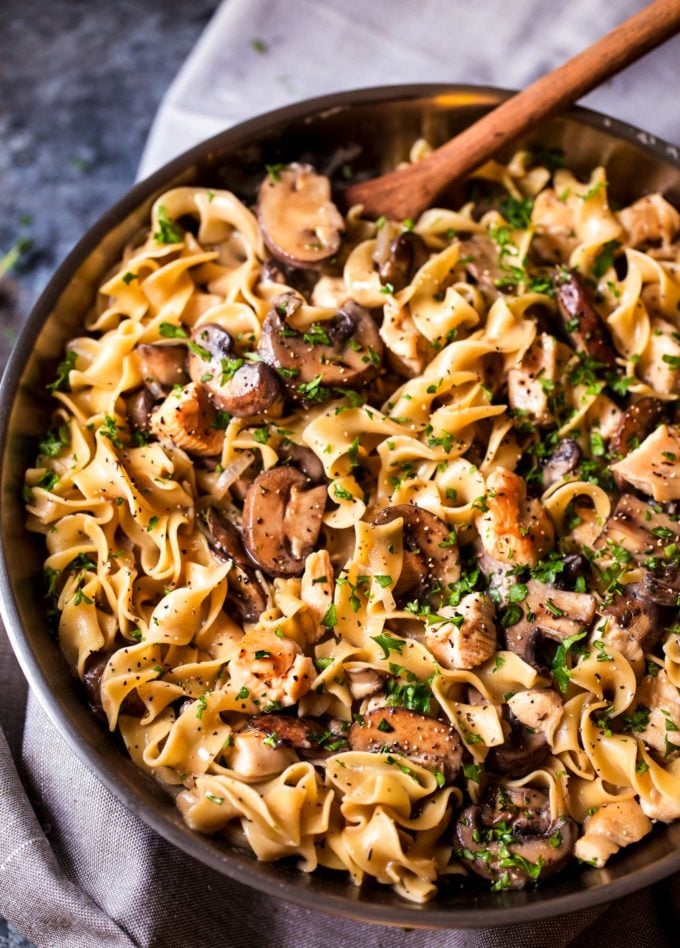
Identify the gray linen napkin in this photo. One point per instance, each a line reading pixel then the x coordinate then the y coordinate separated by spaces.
pixel 76 868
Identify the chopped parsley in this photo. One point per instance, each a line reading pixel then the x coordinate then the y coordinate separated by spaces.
pixel 168 232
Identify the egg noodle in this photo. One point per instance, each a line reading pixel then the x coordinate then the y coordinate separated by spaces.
pixel 437 644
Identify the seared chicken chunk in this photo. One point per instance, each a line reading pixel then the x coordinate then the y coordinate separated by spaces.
pixel 651 219
pixel 271 669
pixel 529 383
pixel 637 527
pixel 539 709
pixel 654 467
pixel 428 742
pixel 660 361
pixel 661 698
pixel 513 529
pixel 187 419
pixel 610 828
pixel 364 682
pixel 466 643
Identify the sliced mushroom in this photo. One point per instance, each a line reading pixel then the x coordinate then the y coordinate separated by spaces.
pixel 241 389
pixel 303 734
pixel 188 420
pixel 638 421
pixel 633 622
pixel 282 520
pixel 521 752
pixel 564 460
pixel 431 743
pixel 300 223
pixel 512 838
pixel 661 585
pixel 654 467
pixel 398 255
pixel 163 365
pixel 574 566
pixel 304 459
pixel 581 321
pixel 428 556
pixel 549 611
pixel 245 592
pixel 140 406
pixel 500 576
pixel 345 351
pixel 639 528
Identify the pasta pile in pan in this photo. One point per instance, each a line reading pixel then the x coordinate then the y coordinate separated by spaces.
pixel 365 535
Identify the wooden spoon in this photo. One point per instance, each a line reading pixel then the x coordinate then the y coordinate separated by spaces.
pixel 407 193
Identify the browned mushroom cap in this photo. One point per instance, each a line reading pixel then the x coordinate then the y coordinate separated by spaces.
pixel 582 322
pixel 637 616
pixel 140 406
pixel 661 587
pixel 564 460
pixel 637 422
pixel 398 256
pixel 245 593
pixel 303 458
pixel 512 839
pixel 92 679
pixel 163 365
pixel 240 388
pixel 304 734
pixel 300 223
pixel 521 752
pixel 345 351
pixel 639 528
pixel 555 613
pixel 431 743
pixel 282 520
pixel 428 554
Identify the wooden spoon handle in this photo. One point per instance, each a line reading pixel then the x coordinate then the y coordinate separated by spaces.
pixel 405 193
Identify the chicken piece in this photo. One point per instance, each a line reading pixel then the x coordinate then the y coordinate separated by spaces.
pixel 605 416
pixel 632 625
pixel 272 670
pixel 513 529
pixel 187 419
pixel 530 382
pixel 610 828
pixel 649 220
pixel 553 221
pixel 252 757
pixel 466 643
pixel 363 682
pixel 430 743
pixel 659 364
pixel 538 708
pixel 654 467
pixel 662 699
pixel 317 587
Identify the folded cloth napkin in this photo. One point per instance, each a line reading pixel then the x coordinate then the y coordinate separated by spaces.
pixel 76 868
